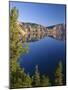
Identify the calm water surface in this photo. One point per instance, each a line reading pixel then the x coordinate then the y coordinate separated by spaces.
pixel 46 53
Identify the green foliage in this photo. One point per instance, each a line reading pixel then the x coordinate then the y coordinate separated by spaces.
pixel 13 15
pixel 59 75
pixel 28 81
pixel 36 78
pixel 45 82
pixel 15 45
pixel 18 78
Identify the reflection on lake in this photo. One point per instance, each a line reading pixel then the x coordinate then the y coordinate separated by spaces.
pixel 46 53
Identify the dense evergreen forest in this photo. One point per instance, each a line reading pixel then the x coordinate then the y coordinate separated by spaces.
pixel 18 77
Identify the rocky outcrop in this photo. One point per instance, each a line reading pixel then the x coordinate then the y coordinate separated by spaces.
pixel 35 31
pixel 57 31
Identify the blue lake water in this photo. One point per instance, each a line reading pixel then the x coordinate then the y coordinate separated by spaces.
pixel 46 53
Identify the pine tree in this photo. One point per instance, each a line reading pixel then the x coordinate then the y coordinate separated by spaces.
pixel 59 75
pixel 36 78
pixel 27 81
pixel 17 75
pixel 15 45
pixel 45 82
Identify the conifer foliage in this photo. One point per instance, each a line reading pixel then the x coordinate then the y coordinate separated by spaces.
pixel 36 77
pixel 59 75
pixel 18 78
pixel 45 81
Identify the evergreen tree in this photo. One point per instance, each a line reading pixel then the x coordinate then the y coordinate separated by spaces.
pixel 36 78
pixel 28 81
pixel 19 79
pixel 17 75
pixel 45 81
pixel 59 75
pixel 15 45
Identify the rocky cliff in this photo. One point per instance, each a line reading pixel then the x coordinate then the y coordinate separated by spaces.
pixel 36 31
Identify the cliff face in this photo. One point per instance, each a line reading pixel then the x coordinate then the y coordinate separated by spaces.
pixel 57 31
pixel 36 31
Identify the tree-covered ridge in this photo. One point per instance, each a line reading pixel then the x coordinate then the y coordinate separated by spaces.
pixel 18 77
